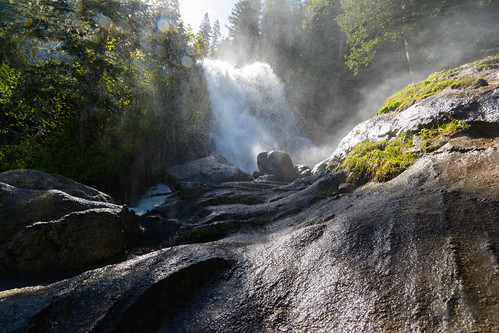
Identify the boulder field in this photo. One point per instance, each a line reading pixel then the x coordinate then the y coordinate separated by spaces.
pixel 418 253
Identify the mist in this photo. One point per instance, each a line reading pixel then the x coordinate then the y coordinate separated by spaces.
pixel 307 49
pixel 250 113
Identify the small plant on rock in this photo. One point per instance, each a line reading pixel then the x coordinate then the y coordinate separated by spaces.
pixel 435 137
pixel 379 161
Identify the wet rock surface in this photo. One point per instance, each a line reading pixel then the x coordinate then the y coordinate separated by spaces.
pixel 416 254
pixel 401 256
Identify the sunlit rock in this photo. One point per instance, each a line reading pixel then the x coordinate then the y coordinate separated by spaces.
pixel 478 108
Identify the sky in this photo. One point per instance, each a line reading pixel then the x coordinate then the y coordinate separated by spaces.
pixel 192 12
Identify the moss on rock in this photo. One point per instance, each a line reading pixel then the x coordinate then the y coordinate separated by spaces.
pixel 434 84
pixel 435 137
pixel 467 76
pixel 379 161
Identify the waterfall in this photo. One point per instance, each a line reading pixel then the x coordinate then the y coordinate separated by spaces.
pixel 250 113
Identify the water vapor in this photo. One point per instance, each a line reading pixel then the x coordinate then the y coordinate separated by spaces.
pixel 250 113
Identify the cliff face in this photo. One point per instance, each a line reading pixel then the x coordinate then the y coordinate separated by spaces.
pixel 415 254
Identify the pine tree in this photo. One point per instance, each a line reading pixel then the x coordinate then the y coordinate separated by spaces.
pixel 244 29
pixel 205 30
pixel 216 35
pixel 371 25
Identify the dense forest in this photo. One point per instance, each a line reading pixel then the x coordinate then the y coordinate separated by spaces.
pixel 108 92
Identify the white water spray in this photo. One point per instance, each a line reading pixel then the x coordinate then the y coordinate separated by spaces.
pixel 250 113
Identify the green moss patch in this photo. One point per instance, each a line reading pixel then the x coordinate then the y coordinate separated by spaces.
pixel 487 63
pixel 434 84
pixel 379 161
pixel 433 138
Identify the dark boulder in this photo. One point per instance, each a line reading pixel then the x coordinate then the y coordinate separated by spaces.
pixel 72 242
pixel 277 163
pixel 49 229
pixel 213 169
pixel 22 207
pixel 38 180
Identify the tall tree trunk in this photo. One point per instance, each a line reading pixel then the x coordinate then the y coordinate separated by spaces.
pixel 405 9
pixel 408 56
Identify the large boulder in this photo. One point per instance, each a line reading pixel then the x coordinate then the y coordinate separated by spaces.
pixel 211 170
pixel 22 207
pixel 75 241
pixel 278 164
pixel 43 228
pixel 38 180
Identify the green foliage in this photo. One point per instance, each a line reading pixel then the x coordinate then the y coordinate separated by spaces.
pixel 487 63
pixel 434 84
pixel 379 161
pixel 86 90
pixel 433 138
pixel 371 25
pixel 415 33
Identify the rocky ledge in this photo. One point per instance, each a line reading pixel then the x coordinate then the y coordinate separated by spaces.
pixel 415 254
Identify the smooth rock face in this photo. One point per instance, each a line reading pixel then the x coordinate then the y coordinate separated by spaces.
pixel 38 180
pixel 71 242
pixel 213 169
pixel 401 256
pixel 47 229
pixel 278 164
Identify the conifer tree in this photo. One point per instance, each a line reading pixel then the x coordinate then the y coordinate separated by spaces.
pixel 244 29
pixel 216 35
pixel 205 30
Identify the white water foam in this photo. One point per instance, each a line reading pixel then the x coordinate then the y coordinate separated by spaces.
pixel 250 113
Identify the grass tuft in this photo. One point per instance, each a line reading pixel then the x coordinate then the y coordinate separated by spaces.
pixel 379 161
pixel 433 138
pixel 487 63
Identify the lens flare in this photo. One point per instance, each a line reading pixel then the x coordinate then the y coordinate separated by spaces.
pixel 78 25
pixel 187 61
pixel 163 25
pixel 124 26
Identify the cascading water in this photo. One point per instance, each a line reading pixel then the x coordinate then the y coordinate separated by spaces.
pixel 250 113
